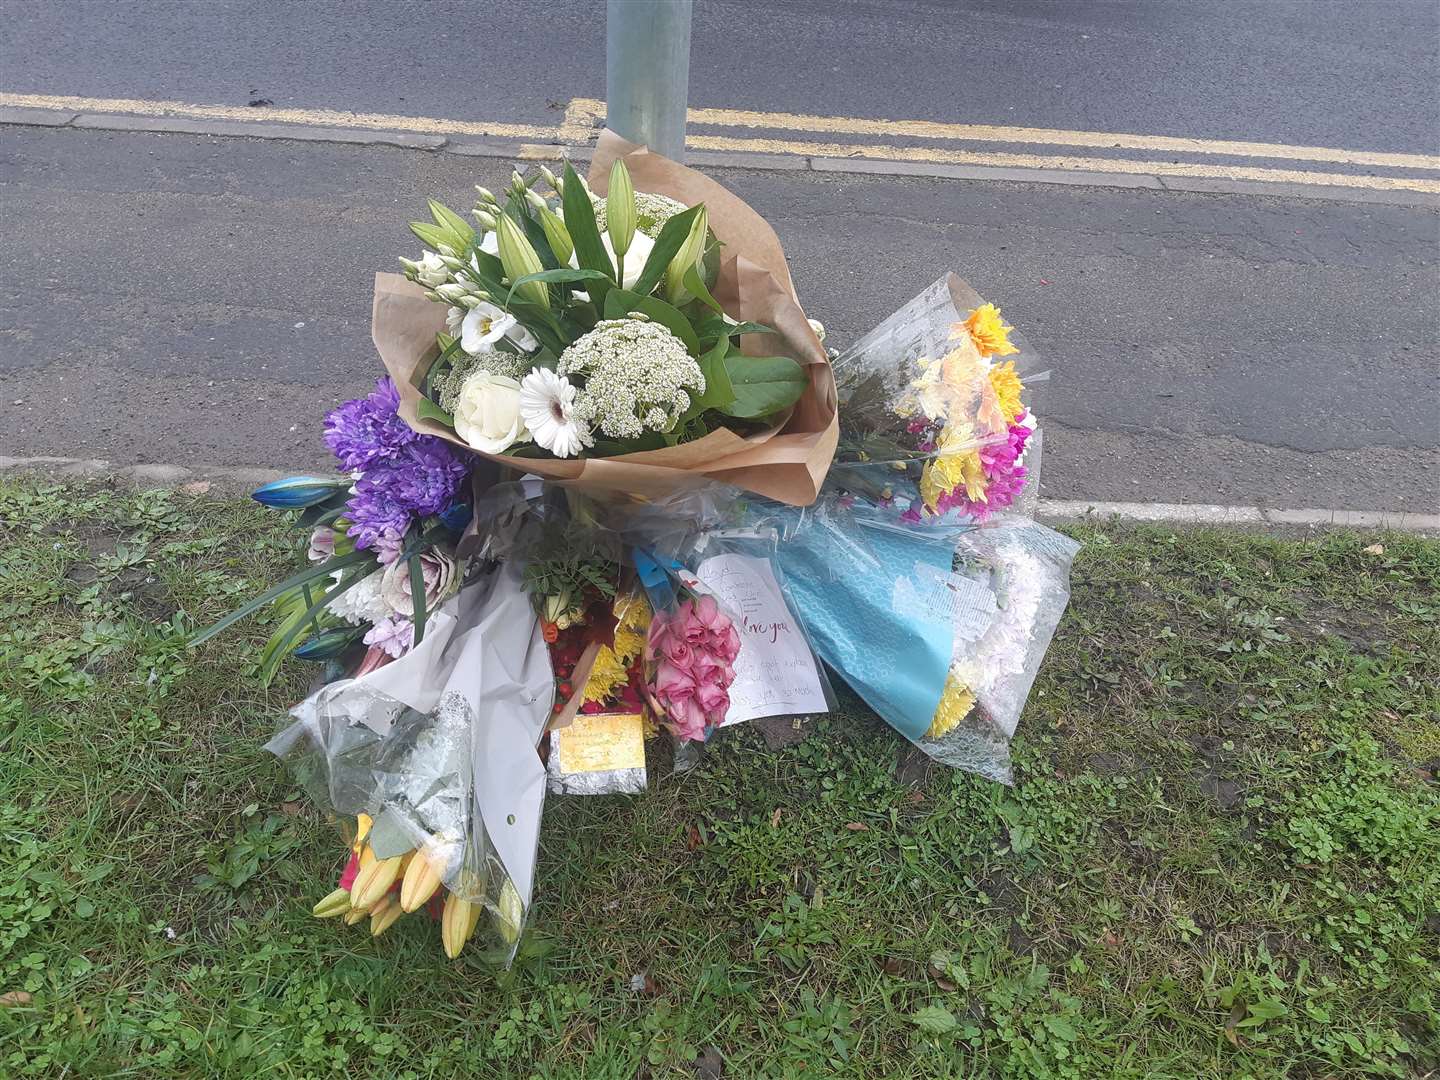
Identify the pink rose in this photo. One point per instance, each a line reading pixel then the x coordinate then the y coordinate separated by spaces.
pixel 677 651
pixel 731 649
pixel 688 719
pixel 673 683
pixel 709 613
pixel 714 700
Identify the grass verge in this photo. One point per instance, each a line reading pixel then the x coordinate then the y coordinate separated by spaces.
pixel 1221 858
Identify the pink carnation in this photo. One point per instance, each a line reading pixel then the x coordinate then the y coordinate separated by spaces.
pixel 692 652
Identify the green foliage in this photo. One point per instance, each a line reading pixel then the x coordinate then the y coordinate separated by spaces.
pixel 1219 859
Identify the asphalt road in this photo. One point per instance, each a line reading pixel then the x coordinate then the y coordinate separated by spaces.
pixel 178 298
pixel 1354 74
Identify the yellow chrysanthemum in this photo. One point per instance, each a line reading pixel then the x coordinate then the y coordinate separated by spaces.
pixel 955 703
pixel 988 331
pixel 944 387
pixel 1008 388
pixel 612 663
pixel 952 467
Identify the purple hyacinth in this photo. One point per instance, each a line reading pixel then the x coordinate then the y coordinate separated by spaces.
pixel 368 429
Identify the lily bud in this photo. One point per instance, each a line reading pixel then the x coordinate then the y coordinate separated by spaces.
pixel 557 235
pixel 296 492
pixel 620 208
pixel 519 259
pixel 688 255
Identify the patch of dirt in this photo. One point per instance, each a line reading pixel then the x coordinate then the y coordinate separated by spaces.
pixel 1226 794
pixel 912 766
pixel 782 731
pixel 1003 892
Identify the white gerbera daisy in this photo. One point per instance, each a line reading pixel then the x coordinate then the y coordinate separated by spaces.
pixel 547 405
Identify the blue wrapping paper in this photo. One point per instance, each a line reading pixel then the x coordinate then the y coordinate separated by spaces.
pixel 852 584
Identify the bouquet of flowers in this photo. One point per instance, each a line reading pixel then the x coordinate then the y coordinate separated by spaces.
pixel 932 416
pixel 633 342
pixel 589 503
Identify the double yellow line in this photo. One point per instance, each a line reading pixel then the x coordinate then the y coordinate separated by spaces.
pixel 745 131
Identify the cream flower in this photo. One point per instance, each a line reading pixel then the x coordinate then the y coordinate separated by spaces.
pixel 547 406
pixel 483 326
pixel 430 271
pixel 487 413
pixel 635 257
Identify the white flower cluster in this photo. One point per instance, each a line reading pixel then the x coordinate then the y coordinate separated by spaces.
pixel 363 602
pixel 449 383
pixel 651 212
pixel 1002 650
pixel 637 374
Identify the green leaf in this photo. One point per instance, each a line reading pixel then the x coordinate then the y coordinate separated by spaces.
pixel 426 409
pixel 448 219
pixel 719 393
pixel 556 276
pixel 726 328
pixel 621 302
pixel 281 646
pixel 672 237
pixel 326 568
pixel 934 1020
pixel 580 224
pixel 491 272
pixel 1061 1028
pixel 696 288
pixel 417 598
pixel 763 384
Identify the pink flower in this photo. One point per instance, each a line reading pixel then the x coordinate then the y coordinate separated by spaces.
pixel 713 699
pixel 676 650
pixel 708 612
pixel 393 635
pixel 690 653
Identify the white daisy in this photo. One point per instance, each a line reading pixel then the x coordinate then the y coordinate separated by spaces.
pixel 547 405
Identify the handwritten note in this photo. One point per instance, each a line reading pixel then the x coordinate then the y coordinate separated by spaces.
pixel 775 673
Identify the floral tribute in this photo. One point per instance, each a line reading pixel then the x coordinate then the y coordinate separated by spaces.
pixel 470 594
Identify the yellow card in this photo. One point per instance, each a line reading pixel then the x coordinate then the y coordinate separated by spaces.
pixel 601 742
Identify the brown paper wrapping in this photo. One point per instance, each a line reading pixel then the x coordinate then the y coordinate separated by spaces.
pixel 786 463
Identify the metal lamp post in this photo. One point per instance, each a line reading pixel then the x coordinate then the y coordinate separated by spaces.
pixel 647 72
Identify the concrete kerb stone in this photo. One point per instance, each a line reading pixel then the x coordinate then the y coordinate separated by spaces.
pixel 223 480
pixel 11 114
pixel 765 162
pixel 216 480
pixel 257 130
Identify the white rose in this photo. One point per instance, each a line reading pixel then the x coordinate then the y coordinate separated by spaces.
pixel 431 271
pixel 487 413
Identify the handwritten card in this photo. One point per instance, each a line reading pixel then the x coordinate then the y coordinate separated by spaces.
pixel 775 673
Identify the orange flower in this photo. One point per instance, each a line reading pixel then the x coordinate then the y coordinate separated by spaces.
pixel 988 331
